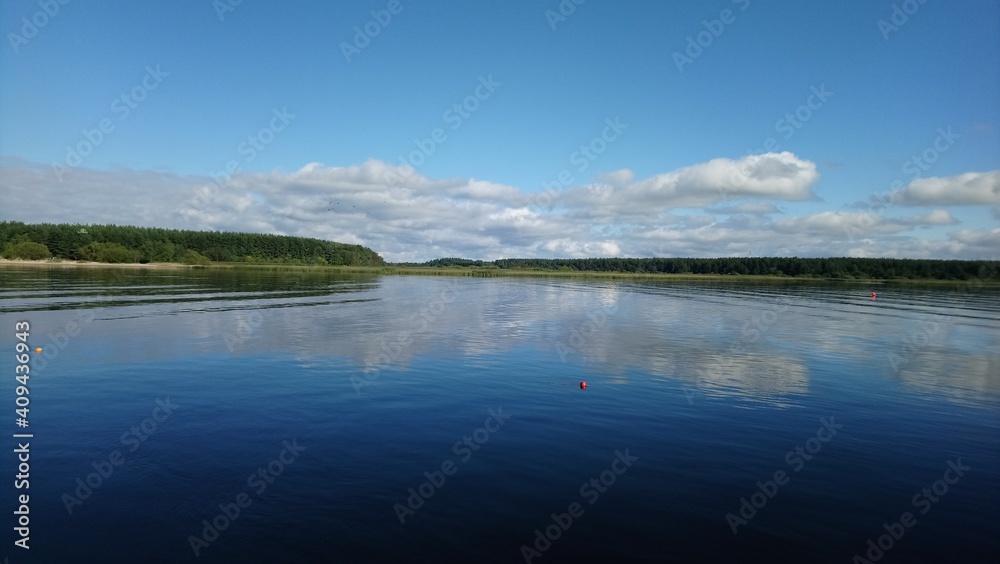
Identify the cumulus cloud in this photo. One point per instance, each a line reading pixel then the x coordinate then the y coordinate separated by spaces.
pixel 971 188
pixel 32 192
pixel 988 240
pixel 778 176
pixel 936 217
pixel 752 208
pixel 859 223
pixel 406 216
pixel 622 177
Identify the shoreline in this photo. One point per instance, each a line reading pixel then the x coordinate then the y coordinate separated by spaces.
pixel 475 272
pixel 89 264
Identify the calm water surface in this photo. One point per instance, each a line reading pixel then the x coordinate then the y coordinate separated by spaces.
pixel 424 419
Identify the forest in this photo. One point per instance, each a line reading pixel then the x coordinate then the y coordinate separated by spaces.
pixel 126 244
pixel 832 268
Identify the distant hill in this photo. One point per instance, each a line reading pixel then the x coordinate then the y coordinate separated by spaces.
pixel 125 243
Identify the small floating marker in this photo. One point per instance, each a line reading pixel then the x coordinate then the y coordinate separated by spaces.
pixel 38 350
pixel 583 385
pixel 873 295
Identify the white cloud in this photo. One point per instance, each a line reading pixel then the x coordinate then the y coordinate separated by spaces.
pixel 779 176
pixel 406 216
pixel 570 248
pixel 936 217
pixel 988 240
pixel 856 224
pixel 752 208
pixel 621 177
pixel 971 188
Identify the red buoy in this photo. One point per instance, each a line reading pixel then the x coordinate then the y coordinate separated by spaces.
pixel 583 385
pixel 873 295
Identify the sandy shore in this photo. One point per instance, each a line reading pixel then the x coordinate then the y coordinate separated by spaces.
pixel 75 263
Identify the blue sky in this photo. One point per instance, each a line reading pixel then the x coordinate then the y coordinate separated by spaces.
pixel 378 128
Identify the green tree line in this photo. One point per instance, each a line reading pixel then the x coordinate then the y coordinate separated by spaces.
pixel 124 243
pixel 835 268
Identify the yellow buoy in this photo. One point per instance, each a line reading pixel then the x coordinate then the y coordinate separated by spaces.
pixel 38 350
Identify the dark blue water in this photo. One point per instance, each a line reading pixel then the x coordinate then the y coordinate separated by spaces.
pixel 425 419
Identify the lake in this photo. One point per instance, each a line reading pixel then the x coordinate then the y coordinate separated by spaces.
pixel 293 416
